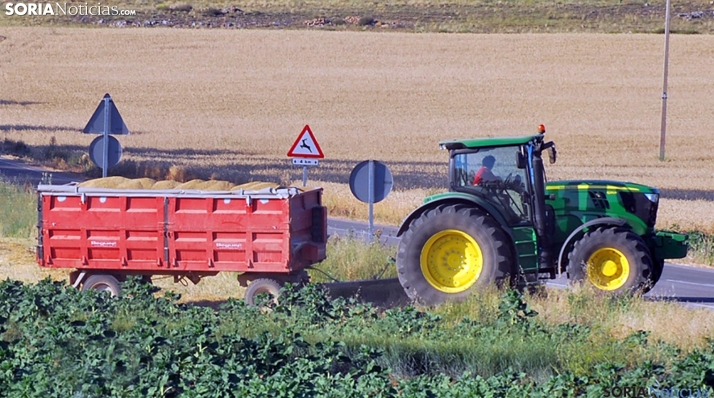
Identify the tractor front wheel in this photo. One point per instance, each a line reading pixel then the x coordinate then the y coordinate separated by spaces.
pixel 451 250
pixel 613 260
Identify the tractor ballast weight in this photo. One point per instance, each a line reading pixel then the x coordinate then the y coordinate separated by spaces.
pixel 502 221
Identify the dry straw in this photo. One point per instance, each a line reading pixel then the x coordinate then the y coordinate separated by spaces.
pixel 195 184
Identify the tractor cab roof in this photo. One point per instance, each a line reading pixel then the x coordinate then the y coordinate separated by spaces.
pixel 473 143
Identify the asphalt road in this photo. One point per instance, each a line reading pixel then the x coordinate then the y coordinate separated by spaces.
pixel 691 285
pixel 14 170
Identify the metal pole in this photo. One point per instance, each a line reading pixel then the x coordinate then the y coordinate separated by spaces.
pixel 107 115
pixel 304 176
pixel 370 196
pixel 663 130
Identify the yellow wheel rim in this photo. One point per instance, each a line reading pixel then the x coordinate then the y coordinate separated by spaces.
pixel 608 269
pixel 451 261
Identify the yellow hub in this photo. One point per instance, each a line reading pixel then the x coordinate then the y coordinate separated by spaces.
pixel 608 269
pixel 451 261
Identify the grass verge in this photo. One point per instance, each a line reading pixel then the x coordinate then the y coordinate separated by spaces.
pixel 18 211
pixel 350 258
pixel 497 333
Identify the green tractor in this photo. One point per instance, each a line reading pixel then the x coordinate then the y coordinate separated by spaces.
pixel 502 222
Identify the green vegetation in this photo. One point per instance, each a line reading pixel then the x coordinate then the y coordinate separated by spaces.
pixel 58 341
pixel 701 246
pixel 462 16
pixel 18 210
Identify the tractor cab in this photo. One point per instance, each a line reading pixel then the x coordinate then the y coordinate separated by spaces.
pixel 506 173
pixel 492 173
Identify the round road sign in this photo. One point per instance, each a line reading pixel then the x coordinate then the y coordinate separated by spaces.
pixel 374 174
pixel 96 151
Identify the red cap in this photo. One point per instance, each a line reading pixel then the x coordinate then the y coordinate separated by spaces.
pixel 541 129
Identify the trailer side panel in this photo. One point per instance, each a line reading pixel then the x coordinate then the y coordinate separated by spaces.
pixel 174 232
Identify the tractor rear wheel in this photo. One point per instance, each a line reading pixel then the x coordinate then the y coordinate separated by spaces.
pixel 613 260
pixel 449 252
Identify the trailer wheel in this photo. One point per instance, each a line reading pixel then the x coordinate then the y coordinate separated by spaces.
pixel 613 260
pixel 104 283
pixel 262 286
pixel 449 252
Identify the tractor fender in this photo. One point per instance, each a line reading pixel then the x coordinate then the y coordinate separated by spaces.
pixel 451 200
pixel 598 221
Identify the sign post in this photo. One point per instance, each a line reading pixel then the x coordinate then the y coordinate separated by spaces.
pixel 105 132
pixel 370 197
pixel 106 120
pixel 305 151
pixel 370 182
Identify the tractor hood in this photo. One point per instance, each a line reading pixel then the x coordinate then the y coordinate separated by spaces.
pixel 587 200
pixel 599 185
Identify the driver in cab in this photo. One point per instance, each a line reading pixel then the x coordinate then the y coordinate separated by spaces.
pixel 484 174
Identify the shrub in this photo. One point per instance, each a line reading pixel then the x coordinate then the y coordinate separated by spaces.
pixel 181 7
pixel 213 12
pixel 18 148
pixel 366 21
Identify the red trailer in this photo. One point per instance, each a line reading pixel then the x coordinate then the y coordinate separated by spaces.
pixel 268 236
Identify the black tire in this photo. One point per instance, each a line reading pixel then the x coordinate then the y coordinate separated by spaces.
pixel 261 286
pixel 440 231
pixel 612 260
pixel 107 283
pixel 657 270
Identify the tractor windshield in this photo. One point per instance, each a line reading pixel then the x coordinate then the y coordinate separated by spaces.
pixel 492 173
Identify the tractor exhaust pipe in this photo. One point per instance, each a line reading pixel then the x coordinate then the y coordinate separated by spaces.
pixel 540 218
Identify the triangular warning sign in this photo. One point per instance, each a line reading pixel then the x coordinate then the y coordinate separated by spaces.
pixel 306 146
pixel 96 122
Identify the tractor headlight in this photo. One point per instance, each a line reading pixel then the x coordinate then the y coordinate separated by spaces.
pixel 653 197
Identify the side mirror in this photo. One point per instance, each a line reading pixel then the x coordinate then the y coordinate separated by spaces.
pixel 552 152
pixel 520 160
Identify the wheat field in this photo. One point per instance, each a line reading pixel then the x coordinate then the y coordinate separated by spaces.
pixel 229 104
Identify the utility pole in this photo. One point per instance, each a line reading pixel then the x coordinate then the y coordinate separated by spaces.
pixel 664 88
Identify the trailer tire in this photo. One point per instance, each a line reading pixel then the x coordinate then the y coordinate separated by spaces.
pixel 262 286
pixel 105 283
pixel 451 251
pixel 613 260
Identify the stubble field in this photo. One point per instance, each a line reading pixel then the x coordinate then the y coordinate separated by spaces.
pixel 228 104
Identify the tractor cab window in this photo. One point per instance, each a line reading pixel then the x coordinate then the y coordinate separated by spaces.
pixel 493 174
